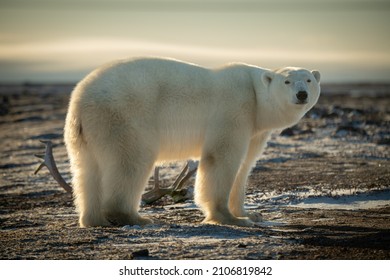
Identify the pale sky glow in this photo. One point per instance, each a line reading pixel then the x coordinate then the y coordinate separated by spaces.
pixel 56 40
pixel 96 51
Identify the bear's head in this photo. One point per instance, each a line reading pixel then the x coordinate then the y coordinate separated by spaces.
pixel 292 92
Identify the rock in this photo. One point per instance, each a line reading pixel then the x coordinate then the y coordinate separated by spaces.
pixel 382 141
pixel 4 106
pixel 47 136
pixel 129 227
pixel 140 253
pixel 295 130
pixel 288 132
pixel 348 129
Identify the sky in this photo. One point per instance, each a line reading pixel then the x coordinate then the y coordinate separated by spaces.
pixel 63 40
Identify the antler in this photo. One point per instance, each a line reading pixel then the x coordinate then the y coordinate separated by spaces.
pixel 49 162
pixel 175 190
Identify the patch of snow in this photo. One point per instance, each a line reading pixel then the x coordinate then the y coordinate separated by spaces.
pixel 129 227
pixel 345 199
pixel 366 200
pixel 272 223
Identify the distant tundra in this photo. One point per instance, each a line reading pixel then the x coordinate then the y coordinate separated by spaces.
pixel 127 116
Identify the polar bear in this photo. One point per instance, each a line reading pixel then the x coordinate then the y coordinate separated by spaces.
pixel 127 116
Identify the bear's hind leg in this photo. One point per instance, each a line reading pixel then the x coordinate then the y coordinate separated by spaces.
pixel 123 184
pixel 87 191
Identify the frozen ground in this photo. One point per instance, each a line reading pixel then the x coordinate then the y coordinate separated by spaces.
pixel 323 188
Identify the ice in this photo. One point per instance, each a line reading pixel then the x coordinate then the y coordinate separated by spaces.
pixel 366 200
pixel 343 199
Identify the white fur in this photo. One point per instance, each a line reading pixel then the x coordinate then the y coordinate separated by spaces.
pixel 127 116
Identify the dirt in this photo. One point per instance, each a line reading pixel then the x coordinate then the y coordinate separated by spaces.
pixel 342 145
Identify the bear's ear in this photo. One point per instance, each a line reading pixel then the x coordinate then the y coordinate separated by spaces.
pixel 267 77
pixel 316 75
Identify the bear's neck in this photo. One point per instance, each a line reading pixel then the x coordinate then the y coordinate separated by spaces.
pixel 272 117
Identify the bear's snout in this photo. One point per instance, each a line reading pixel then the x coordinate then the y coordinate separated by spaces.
pixel 302 96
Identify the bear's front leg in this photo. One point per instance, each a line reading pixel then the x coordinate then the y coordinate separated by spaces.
pixel 217 171
pixel 237 195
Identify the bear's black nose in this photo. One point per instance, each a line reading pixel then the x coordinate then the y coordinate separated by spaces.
pixel 302 95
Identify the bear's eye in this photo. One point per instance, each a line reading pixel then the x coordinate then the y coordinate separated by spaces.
pixel 309 81
pixel 287 82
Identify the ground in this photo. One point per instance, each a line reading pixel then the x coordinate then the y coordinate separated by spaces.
pixel 323 188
